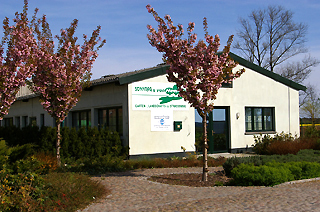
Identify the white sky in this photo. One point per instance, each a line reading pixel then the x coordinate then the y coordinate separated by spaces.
pixel 124 23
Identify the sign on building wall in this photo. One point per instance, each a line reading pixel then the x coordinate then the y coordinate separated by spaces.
pixel 161 120
pixel 156 95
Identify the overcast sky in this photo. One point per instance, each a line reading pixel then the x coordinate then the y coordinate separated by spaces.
pixel 124 23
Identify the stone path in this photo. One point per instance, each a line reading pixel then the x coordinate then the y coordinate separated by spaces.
pixel 131 191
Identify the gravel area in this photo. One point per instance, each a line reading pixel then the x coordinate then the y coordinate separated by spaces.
pixel 131 191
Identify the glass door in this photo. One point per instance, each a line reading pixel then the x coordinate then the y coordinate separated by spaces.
pixel 218 130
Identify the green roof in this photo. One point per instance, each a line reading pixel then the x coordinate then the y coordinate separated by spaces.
pixel 161 70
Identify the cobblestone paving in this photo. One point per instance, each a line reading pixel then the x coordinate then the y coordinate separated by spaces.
pixel 131 191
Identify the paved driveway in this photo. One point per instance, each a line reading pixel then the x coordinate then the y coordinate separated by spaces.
pixel 131 191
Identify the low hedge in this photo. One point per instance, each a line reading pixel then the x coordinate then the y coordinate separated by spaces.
pixel 308 155
pixel 273 173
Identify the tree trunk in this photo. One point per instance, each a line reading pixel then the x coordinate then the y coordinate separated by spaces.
pixel 205 149
pixel 58 125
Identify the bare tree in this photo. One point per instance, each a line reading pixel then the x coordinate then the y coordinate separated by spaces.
pixel 311 104
pixel 300 70
pixel 269 37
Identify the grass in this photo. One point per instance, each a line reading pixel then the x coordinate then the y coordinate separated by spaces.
pixel 71 191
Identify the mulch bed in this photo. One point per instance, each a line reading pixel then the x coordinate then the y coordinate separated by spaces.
pixel 193 179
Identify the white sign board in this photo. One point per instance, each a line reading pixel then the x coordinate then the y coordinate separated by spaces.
pixel 161 120
pixel 156 95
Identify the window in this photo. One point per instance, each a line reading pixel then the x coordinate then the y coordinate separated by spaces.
pixel 41 120
pixel 33 121
pixel 17 121
pixel 111 118
pixel 24 121
pixel 227 85
pixel 81 119
pixel 8 122
pixel 259 119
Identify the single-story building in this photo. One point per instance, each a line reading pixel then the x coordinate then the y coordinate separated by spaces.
pixel 153 120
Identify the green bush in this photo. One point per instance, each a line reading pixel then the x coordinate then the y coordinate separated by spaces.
pixel 93 166
pixel 84 143
pixel 311 132
pixel 273 173
pixel 22 152
pixel 20 190
pixel 250 175
pixel 307 155
pixel 233 162
pixel 4 152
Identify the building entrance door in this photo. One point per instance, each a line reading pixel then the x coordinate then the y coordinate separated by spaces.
pixel 218 130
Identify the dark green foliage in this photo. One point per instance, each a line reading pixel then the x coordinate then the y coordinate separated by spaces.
pixel 273 173
pixel 233 162
pixel 85 143
pixel 98 165
pixel 311 132
pixel 250 175
pixel 308 155
pixel 4 152
pixel 22 152
pixel 47 139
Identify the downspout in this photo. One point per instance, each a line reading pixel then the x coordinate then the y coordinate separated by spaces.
pixel 289 112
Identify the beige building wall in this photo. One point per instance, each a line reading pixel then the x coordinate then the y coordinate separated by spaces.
pixel 144 141
pixel 253 89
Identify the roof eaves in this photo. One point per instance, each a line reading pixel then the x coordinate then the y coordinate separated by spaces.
pixel 29 96
pixel 144 74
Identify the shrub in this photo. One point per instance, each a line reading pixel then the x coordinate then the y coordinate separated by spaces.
pixel 233 162
pixel 261 144
pixel 103 164
pixel 307 155
pixel 70 191
pixel 311 132
pixel 20 191
pixel 84 143
pixel 4 152
pixel 22 152
pixel 291 147
pixel 250 175
pixel 283 144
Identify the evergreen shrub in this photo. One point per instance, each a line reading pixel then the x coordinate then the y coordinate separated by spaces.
pixel 85 143
pixel 273 173
pixel 307 155
pixel 250 175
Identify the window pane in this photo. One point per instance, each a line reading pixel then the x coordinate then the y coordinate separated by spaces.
pixel 75 120
pixel 17 121
pixel 83 119
pixel 89 118
pixel 120 123
pixel 248 119
pixel 102 118
pixel 33 121
pixel 257 119
pixel 112 120
pixel 24 121
pixel 41 120
pixel 267 118
pixel 219 114
pixel 8 122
